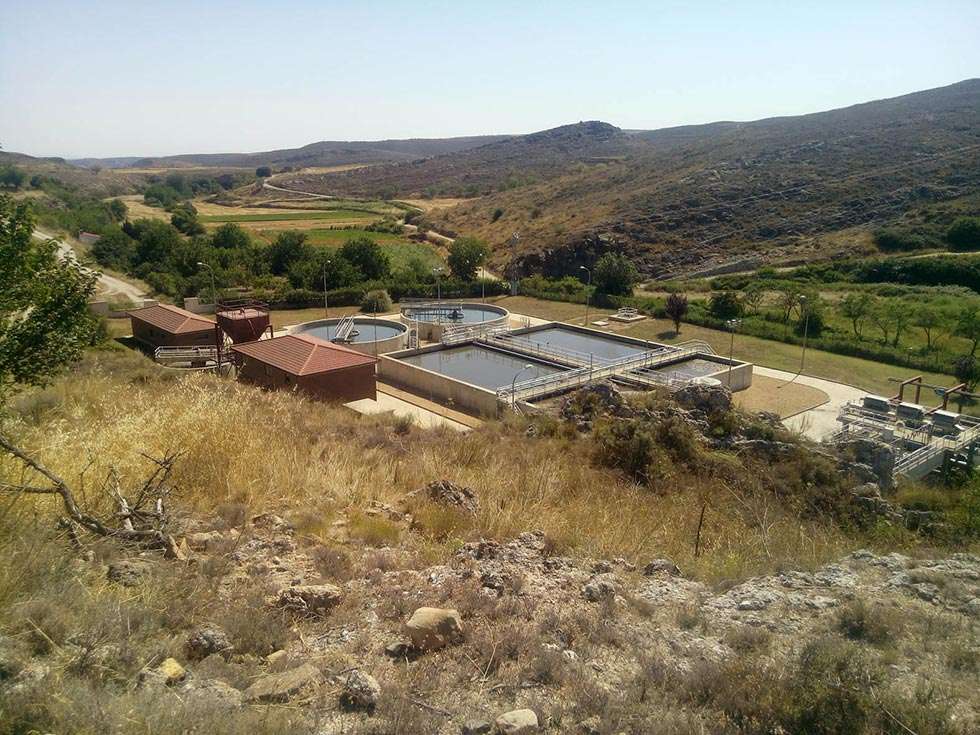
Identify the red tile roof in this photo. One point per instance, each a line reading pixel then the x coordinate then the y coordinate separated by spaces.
pixel 172 319
pixel 299 354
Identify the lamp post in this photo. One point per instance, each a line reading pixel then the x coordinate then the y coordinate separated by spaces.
pixel 326 310
pixel 732 325
pixel 437 270
pixel 214 291
pixel 806 329
pixel 513 385
pixel 588 292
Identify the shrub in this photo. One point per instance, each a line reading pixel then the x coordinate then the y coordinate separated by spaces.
pixel 376 301
pixel 860 621
pixel 725 305
pixel 628 446
pixel 964 234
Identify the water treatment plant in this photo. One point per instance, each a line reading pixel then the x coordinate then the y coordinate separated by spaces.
pixel 473 357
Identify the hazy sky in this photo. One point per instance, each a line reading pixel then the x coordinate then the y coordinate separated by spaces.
pixel 140 78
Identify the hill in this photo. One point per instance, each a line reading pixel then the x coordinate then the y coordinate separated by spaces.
pixel 323 153
pixel 680 198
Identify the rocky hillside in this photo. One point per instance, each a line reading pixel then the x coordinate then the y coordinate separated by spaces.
pixel 624 563
pixel 681 198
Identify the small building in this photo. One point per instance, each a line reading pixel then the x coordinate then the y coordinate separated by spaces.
pixel 163 325
pixel 319 369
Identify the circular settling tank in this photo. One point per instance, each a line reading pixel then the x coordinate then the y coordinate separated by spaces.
pixel 371 336
pixel 430 319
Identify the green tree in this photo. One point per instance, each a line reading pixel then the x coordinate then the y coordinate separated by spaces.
pixel 367 256
pixel 614 275
pixel 466 255
pixel 725 305
pixel 676 309
pixel 12 177
pixel 263 172
pixel 114 249
pixel 377 301
pixel 45 322
pixel 968 326
pixel 856 307
pixel 117 209
pixel 288 249
pixel 156 241
pixel 230 236
pixel 184 218
pixel 928 319
pixel 964 234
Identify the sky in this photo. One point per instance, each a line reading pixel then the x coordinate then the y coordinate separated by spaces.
pixel 148 79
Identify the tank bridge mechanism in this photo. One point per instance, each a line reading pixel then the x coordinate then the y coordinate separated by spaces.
pixel 238 321
pixel 345 332
pixel 923 440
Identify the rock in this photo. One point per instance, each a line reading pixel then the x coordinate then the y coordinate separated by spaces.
pixel 661 566
pixel 517 722
pixel 204 540
pixel 476 727
pixel 430 628
pixel 211 692
pixel 590 726
pixel 276 659
pixel 602 587
pixel 449 493
pixel 281 687
pixel 361 692
pixel 712 399
pixel 206 641
pixel 309 598
pixel 128 573
pixel 399 649
pixel 167 673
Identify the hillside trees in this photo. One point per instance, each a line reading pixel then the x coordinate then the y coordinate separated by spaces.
pixel 968 326
pixel 725 305
pixel 12 177
pixel 367 257
pixel 928 319
pixel 964 234
pixel 184 218
pixel 466 255
pixel 614 275
pixel 856 307
pixel 45 322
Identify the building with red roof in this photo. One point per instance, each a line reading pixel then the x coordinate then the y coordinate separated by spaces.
pixel 163 325
pixel 320 369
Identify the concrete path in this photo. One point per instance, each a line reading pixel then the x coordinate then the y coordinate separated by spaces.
pixel 111 286
pixel 816 423
pixel 424 417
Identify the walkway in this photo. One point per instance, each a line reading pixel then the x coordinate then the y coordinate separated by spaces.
pixel 425 414
pixel 816 423
pixel 110 285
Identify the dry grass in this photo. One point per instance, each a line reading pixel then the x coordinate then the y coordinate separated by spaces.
pixel 277 451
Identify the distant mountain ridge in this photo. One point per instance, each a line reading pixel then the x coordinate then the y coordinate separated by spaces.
pixel 322 153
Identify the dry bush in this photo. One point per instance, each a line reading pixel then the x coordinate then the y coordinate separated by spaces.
pixel 861 621
pixel 332 564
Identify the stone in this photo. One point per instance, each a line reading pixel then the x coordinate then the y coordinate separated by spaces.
pixel 712 399
pixel 517 722
pixel 399 649
pixel 310 598
pixel 449 493
pixel 591 726
pixel 361 692
pixel 599 588
pixel 277 658
pixel 204 540
pixel 476 727
pixel 128 573
pixel 281 687
pixel 206 641
pixel 661 566
pixel 213 692
pixel 430 628
pixel 167 673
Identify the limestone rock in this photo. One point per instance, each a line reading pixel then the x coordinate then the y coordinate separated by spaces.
pixel 712 399
pixel 430 628
pixel 662 566
pixel 211 692
pixel 167 673
pixel 204 540
pixel 206 641
pixel 449 493
pixel 310 598
pixel 281 687
pixel 517 722
pixel 476 727
pixel 361 691
pixel 601 587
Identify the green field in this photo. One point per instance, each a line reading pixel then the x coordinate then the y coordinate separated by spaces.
pixel 327 214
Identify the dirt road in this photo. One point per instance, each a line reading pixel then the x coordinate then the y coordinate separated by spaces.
pixel 112 287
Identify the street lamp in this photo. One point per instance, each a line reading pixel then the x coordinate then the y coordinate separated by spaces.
pixel 437 270
pixel 806 329
pixel 214 292
pixel 732 325
pixel 513 385
pixel 588 293
pixel 326 311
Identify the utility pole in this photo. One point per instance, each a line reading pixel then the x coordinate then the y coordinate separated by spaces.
pixel 214 291
pixel 806 329
pixel 326 309
pixel 732 325
pixel 588 292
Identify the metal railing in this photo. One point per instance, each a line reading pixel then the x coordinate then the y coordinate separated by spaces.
pixel 344 328
pixel 456 333
pixel 189 354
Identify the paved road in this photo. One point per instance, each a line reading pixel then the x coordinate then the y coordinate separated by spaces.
pixel 818 422
pixel 111 286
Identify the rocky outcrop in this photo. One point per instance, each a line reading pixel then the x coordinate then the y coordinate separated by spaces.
pixel 361 691
pixel 283 686
pixel 445 492
pixel 517 722
pixel 431 628
pixel 310 598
